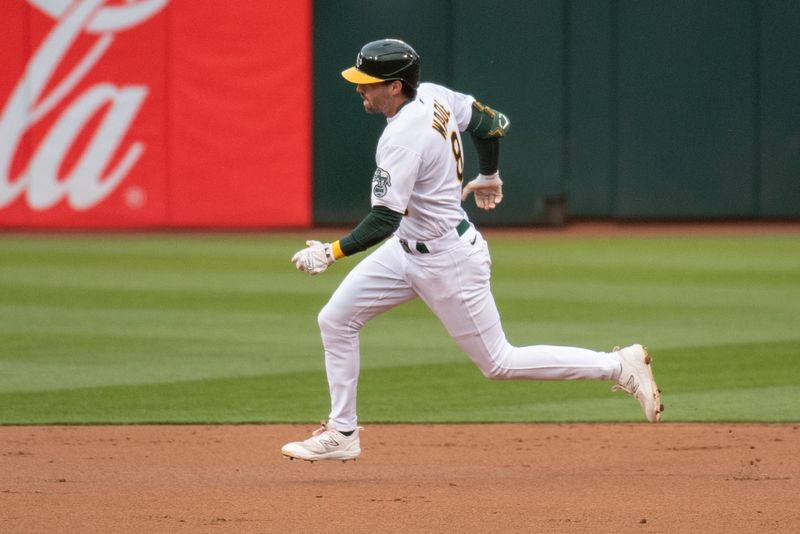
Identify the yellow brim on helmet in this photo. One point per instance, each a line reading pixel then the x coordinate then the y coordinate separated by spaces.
pixel 353 75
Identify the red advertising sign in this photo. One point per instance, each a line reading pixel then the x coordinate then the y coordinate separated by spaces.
pixel 150 113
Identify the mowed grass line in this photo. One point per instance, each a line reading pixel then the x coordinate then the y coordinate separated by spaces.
pixel 191 328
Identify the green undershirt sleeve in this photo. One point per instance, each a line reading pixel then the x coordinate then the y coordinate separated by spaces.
pixel 380 223
pixel 488 154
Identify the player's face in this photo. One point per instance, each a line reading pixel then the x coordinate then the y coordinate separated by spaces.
pixel 378 97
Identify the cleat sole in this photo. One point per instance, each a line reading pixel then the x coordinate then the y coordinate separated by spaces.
pixel 657 391
pixel 292 459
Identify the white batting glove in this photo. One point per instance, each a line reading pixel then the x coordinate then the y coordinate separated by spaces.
pixel 315 258
pixel 488 190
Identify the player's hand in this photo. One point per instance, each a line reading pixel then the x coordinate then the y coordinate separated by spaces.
pixel 488 191
pixel 315 258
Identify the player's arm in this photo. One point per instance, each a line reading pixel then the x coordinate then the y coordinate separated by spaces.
pixel 380 223
pixel 486 127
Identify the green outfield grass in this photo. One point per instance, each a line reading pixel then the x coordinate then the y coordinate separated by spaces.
pixel 221 328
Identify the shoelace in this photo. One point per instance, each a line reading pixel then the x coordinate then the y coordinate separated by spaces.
pixel 324 436
pixel 324 428
pixel 619 387
pixel 626 388
pixel 321 430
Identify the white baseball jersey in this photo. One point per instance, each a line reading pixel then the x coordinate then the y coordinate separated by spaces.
pixel 415 175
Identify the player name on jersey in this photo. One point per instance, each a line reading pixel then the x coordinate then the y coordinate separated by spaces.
pixel 441 116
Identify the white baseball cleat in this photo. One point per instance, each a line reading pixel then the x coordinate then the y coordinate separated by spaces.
pixel 326 443
pixel 636 379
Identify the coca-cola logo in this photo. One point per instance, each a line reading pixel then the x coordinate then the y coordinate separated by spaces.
pixel 90 180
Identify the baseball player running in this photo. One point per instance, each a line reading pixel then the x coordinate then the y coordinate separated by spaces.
pixel 431 250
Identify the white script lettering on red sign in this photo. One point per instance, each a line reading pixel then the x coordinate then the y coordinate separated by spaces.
pixel 106 108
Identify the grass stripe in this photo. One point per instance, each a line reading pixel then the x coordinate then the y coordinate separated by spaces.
pixel 220 328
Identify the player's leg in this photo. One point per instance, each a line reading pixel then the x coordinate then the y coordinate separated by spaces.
pixel 460 296
pixel 374 286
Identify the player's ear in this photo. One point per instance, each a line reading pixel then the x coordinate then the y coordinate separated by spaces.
pixel 396 87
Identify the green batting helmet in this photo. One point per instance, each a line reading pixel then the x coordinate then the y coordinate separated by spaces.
pixel 383 61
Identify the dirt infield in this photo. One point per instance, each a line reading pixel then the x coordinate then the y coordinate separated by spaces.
pixel 410 478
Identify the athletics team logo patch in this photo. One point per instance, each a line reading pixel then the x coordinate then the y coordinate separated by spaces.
pixel 382 182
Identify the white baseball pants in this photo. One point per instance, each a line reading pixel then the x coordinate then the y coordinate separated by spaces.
pixel 453 280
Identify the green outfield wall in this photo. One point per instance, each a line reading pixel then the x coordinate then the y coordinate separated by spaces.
pixel 620 108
